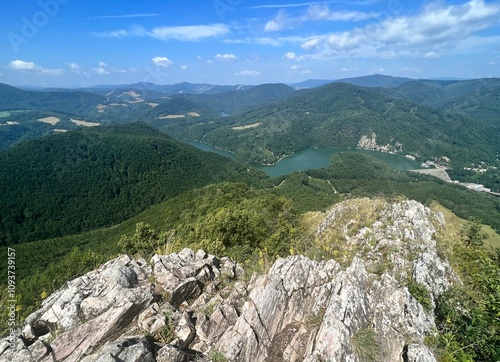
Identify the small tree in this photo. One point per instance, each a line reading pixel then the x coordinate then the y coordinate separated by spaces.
pixel 472 233
pixel 144 241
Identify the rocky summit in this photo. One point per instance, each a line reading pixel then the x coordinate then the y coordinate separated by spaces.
pixel 192 306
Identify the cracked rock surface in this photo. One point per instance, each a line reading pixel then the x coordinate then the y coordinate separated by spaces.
pixel 192 306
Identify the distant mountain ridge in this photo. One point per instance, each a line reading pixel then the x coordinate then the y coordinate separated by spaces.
pixel 344 115
pixel 178 88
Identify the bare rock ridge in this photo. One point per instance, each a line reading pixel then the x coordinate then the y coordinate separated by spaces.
pixel 192 306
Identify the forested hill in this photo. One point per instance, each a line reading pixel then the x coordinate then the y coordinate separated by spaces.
pixel 82 180
pixel 12 98
pixel 340 114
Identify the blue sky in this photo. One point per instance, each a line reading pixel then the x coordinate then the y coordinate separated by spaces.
pixel 73 43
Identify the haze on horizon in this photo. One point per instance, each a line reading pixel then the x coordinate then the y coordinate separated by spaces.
pixel 73 43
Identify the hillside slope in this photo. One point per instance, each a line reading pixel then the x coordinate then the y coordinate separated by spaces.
pixel 343 115
pixel 82 180
pixel 379 292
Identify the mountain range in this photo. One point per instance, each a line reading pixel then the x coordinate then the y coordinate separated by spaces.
pixel 449 121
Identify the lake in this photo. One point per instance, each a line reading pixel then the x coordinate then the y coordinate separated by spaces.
pixel 313 158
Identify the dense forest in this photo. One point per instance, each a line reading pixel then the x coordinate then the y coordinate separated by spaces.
pixel 82 180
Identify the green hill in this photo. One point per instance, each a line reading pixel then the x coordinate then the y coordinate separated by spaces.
pixel 240 101
pixel 477 98
pixel 339 115
pixel 82 180
pixel 78 102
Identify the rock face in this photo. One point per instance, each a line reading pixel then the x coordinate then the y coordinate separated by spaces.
pixel 191 306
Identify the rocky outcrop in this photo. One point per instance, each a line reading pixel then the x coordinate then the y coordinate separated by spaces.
pixel 191 306
pixel 370 143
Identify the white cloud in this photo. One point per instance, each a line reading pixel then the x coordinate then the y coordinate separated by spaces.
pixel 251 73
pixel 345 69
pixel 210 61
pixel 52 71
pixel 162 62
pixel 323 12
pixel 431 55
pixel 225 57
pixel 101 71
pixel 21 65
pixel 253 58
pixel 294 67
pixel 258 41
pixel 289 56
pixel 112 34
pixel 315 12
pixel 189 33
pixel 117 70
pixel 181 33
pixel 75 67
pixel 435 29
pixel 184 67
pixel 104 68
pixel 312 44
pixel 280 22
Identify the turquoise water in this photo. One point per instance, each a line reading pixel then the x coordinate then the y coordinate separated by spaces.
pixel 314 158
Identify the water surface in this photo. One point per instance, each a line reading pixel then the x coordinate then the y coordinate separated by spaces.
pixel 314 158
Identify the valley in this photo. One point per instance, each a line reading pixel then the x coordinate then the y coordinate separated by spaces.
pixel 87 175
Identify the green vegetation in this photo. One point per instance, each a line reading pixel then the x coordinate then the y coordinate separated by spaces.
pixel 166 334
pixel 468 315
pixel 216 356
pixel 358 175
pixel 338 115
pixel 421 294
pixel 364 342
pixel 256 220
pixel 83 180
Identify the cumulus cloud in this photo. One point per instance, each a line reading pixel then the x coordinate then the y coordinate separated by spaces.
pixel 163 62
pixel 101 71
pixel 104 68
pixel 74 67
pixel 22 65
pixel 226 57
pixel 436 27
pixel 181 33
pixel 289 56
pixel 184 67
pixel 251 73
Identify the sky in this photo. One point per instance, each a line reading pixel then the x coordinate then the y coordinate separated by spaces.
pixel 80 43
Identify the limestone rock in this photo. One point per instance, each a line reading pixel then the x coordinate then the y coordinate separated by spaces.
pixel 194 306
pixel 130 349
